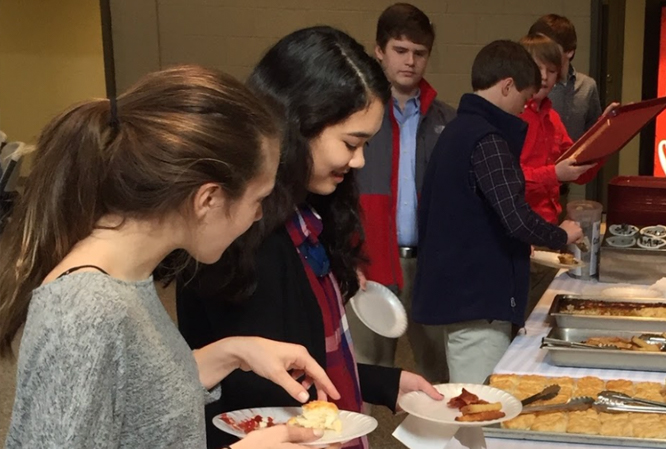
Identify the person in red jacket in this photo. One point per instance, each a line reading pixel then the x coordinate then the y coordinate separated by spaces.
pixel 390 183
pixel 547 138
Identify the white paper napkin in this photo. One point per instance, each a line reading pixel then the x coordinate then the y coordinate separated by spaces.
pixel 416 433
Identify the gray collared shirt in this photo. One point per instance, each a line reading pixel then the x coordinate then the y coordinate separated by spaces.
pixel 577 102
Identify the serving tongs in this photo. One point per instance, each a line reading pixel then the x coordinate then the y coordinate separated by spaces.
pixel 613 401
pixel 577 403
pixel 549 341
pixel 547 393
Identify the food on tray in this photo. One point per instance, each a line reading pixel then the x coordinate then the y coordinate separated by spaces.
pixel 642 345
pixel 635 343
pixel 620 343
pixel 566 258
pixel 474 409
pixel 249 424
pixel 575 306
pixel 318 415
pixel 588 422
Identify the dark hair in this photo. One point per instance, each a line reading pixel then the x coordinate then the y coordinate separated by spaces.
pixel 504 59
pixel 558 28
pixel 172 132
pixel 543 49
pixel 314 78
pixel 405 20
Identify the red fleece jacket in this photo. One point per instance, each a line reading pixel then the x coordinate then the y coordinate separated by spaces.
pixel 546 140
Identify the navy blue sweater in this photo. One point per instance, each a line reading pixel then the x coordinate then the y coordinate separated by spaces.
pixel 469 268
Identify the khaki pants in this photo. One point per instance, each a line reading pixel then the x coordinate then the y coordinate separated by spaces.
pixel 473 348
pixel 429 354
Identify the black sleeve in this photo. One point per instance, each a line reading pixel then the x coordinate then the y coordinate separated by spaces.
pixel 379 384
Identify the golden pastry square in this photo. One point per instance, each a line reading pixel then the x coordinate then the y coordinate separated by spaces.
pixel 563 381
pixel 591 382
pixel 590 413
pixel 586 391
pixel 520 422
pixel 550 422
pixel 652 389
pixel 615 424
pixel 523 391
pixel 648 426
pixel 532 379
pixel 650 395
pixel 584 425
pixel 506 382
pixel 651 418
pixel 623 416
pixel 621 386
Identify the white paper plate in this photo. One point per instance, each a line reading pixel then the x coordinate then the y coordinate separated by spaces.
pixel 631 292
pixel 354 425
pixel 620 241
pixel 380 310
pixel 551 259
pixel 422 406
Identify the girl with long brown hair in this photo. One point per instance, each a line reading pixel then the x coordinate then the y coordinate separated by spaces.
pixel 182 161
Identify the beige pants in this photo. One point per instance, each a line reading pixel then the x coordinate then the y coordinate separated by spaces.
pixel 429 353
pixel 473 348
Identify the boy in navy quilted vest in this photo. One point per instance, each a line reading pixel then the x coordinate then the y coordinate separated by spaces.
pixel 475 227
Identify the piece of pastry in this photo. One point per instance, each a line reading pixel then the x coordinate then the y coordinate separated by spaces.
pixel 566 258
pixel 318 415
pixel 520 422
pixel 647 425
pixel 505 382
pixel 590 381
pixel 615 424
pixel 550 422
pixel 651 388
pixel 621 386
pixel 586 422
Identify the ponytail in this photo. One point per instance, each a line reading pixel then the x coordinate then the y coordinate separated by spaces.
pixel 172 132
pixel 59 208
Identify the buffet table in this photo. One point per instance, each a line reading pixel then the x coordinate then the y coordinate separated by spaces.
pixel 524 356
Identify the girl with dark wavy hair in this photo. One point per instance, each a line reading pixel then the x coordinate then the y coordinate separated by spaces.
pixel 331 95
pixel 182 160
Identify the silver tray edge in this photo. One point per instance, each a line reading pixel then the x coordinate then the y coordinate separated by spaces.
pixel 497 432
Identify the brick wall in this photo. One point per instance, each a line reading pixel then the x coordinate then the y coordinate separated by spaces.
pixel 232 34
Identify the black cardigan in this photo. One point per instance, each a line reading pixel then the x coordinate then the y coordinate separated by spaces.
pixel 283 308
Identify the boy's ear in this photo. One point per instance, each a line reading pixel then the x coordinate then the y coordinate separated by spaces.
pixel 506 84
pixel 379 53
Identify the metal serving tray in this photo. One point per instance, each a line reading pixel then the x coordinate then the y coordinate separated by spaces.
pixel 640 324
pixel 602 358
pixel 497 432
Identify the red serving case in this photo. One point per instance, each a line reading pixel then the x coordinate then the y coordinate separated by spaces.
pixel 613 131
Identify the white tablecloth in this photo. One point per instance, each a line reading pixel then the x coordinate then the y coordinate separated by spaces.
pixel 525 356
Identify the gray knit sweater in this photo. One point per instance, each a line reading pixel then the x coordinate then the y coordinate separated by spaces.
pixel 101 365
